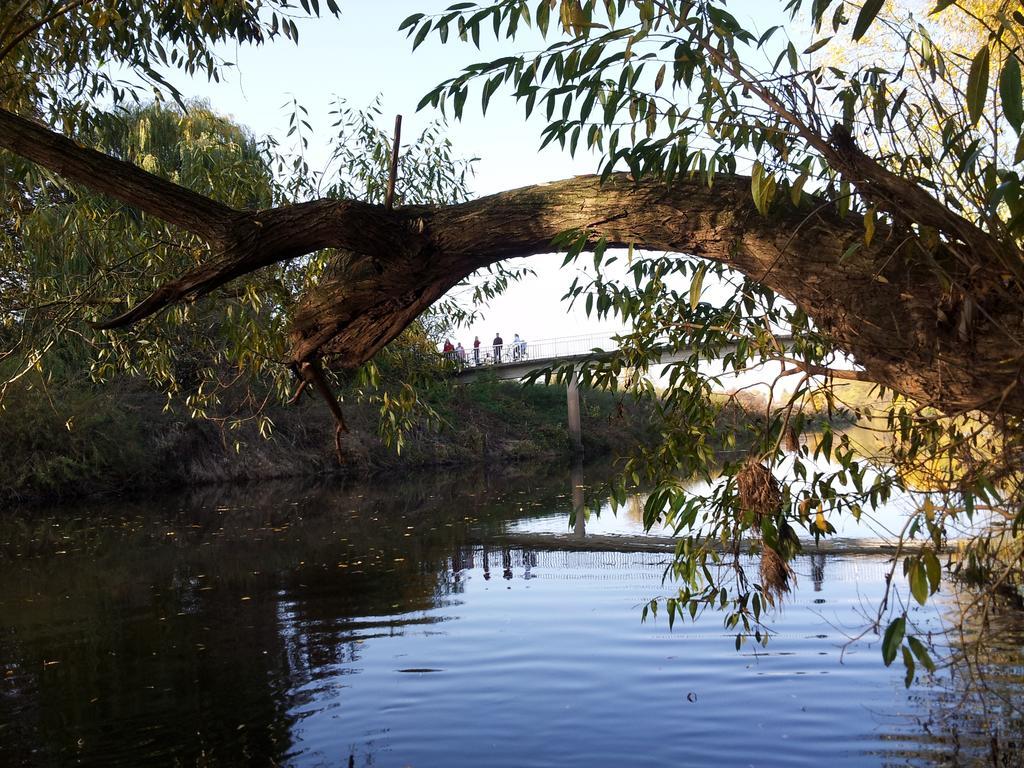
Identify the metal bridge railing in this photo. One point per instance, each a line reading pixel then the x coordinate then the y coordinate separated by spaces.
pixel 511 353
pixel 564 347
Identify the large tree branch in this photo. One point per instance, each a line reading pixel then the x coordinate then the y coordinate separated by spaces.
pixel 261 238
pixel 879 303
pixel 882 303
pixel 119 179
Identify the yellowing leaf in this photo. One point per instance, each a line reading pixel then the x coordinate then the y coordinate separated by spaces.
pixel 928 508
pixel 696 285
pixel 762 188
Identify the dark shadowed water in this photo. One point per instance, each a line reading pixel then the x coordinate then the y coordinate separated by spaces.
pixel 383 625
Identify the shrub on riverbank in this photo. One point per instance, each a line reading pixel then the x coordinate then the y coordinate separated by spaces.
pixel 79 440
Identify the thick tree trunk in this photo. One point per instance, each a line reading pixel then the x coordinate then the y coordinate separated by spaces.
pixel 956 347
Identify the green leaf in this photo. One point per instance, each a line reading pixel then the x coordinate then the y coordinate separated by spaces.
pixel 599 249
pixel 867 14
pixel 420 36
pixel 908 662
pixel 977 84
pixel 1010 93
pixel 460 100
pixel 921 653
pixel 919 583
pixel 430 98
pixel 591 56
pixel 542 15
pixel 933 568
pixel 892 639
pixel 488 90
pixel 817 46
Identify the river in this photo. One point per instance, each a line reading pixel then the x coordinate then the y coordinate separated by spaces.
pixel 397 623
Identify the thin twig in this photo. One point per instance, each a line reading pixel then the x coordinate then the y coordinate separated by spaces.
pixel 298 392
pixel 821 370
pixel 32 28
pixel 313 373
pixel 14 17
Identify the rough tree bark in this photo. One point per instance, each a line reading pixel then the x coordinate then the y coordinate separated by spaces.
pixel 882 304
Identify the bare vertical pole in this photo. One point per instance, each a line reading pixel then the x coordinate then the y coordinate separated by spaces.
pixel 389 198
pixel 575 428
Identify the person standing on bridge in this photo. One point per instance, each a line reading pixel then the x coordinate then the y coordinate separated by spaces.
pixel 515 347
pixel 460 354
pixel 476 350
pixel 497 344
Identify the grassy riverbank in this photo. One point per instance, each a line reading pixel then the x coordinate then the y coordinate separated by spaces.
pixel 73 441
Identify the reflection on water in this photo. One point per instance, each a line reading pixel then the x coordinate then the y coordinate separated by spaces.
pixel 382 624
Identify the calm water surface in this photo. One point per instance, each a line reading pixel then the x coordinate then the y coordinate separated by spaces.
pixel 383 625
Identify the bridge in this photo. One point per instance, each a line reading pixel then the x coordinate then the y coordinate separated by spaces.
pixel 516 361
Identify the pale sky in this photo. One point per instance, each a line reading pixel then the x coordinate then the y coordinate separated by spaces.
pixel 363 55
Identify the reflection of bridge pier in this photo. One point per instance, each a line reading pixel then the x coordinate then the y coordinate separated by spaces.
pixel 579 512
pixel 575 427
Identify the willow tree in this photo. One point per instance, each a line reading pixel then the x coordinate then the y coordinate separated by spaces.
pixel 873 211
pixel 68 251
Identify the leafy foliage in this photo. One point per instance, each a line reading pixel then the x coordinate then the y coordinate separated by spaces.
pixel 58 59
pixel 684 89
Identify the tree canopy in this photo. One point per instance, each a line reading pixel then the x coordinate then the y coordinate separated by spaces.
pixel 852 178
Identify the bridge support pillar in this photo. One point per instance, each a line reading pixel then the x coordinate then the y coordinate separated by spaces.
pixel 575 428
